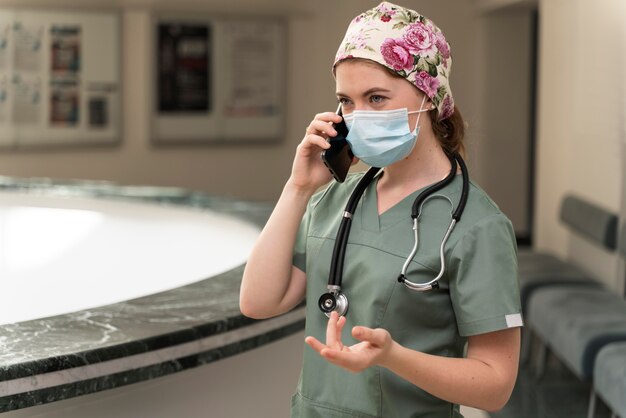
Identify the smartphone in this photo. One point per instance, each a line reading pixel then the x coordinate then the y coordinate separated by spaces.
pixel 338 158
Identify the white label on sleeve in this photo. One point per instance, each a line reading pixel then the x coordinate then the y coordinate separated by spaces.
pixel 514 320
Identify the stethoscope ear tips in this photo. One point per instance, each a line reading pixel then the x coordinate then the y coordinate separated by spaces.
pixel 401 278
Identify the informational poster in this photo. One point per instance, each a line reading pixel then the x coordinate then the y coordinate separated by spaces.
pixel 254 89
pixel 65 60
pixel 59 78
pixel 5 30
pixel 218 80
pixel 64 102
pixel 27 99
pixel 28 46
pixel 184 67
pixel 98 104
pixel 65 56
pixel 4 94
pixel 6 27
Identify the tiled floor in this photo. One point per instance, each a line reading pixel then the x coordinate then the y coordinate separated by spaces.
pixel 558 394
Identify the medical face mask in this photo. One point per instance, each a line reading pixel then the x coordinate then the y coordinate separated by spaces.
pixel 381 138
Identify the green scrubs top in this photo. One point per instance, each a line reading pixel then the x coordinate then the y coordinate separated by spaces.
pixel 478 293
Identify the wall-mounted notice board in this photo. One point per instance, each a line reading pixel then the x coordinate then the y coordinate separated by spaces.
pixel 218 79
pixel 59 78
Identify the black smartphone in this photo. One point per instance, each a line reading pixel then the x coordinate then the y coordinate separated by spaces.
pixel 338 157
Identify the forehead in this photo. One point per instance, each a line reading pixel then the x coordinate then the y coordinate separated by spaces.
pixel 356 76
pixel 353 71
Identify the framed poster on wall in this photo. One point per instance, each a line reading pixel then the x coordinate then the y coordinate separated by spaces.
pixel 59 78
pixel 184 68
pixel 218 80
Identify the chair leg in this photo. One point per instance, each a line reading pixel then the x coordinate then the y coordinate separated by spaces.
pixel 592 404
pixel 541 361
pixel 527 344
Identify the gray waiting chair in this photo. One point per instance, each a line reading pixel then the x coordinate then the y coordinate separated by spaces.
pixel 577 323
pixel 609 379
pixel 540 270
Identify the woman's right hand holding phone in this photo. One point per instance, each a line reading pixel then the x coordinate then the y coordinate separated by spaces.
pixel 308 172
pixel 271 285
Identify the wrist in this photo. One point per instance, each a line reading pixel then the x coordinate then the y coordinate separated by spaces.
pixel 298 190
pixel 391 355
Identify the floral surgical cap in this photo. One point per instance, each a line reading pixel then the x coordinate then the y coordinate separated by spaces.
pixel 407 43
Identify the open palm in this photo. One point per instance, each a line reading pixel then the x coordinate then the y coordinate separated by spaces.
pixel 374 345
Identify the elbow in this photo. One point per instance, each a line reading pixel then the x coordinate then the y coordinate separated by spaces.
pixel 248 309
pixel 499 400
pixel 496 405
pixel 252 310
pixel 248 304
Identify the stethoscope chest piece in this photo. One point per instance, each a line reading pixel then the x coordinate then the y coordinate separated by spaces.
pixel 333 301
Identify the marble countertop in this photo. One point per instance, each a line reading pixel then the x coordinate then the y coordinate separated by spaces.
pixel 60 357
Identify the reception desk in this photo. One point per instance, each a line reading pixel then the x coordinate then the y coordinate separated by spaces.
pixel 123 301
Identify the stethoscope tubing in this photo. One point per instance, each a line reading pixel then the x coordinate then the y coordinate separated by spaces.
pixel 456 217
pixel 339 250
pixel 417 204
pixel 335 299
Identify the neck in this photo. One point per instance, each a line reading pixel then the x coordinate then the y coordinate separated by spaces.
pixel 426 164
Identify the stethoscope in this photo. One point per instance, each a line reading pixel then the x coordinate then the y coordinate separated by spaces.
pixel 335 299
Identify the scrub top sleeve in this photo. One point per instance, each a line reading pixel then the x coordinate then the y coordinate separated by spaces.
pixel 299 248
pixel 484 286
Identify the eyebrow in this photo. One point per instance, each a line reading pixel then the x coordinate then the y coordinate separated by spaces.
pixel 367 92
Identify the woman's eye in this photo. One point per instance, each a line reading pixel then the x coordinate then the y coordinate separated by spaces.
pixel 376 99
pixel 343 101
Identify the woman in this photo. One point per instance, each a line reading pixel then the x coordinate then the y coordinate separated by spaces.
pixel 409 354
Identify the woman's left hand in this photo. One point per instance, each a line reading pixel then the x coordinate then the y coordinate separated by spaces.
pixel 372 350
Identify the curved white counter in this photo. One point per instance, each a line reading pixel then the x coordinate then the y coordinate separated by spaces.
pixel 107 286
pixel 65 254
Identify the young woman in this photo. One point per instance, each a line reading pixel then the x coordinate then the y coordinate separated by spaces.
pixel 406 353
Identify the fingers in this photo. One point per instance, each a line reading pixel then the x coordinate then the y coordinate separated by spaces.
pixel 321 128
pixel 310 141
pixel 315 344
pixel 346 359
pixel 333 335
pixel 328 117
pixel 357 357
pixel 333 330
pixel 317 133
pixel 375 337
pixel 322 124
pixel 340 323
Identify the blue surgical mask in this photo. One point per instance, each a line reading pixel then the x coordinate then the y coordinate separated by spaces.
pixel 381 138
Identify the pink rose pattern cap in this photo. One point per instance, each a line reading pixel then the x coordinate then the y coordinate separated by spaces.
pixel 408 44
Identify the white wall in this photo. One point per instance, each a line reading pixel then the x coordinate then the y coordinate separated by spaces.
pixel 581 121
pixel 315 30
pixel 503 157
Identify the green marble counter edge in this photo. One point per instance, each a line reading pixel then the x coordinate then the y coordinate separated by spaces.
pixel 208 307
